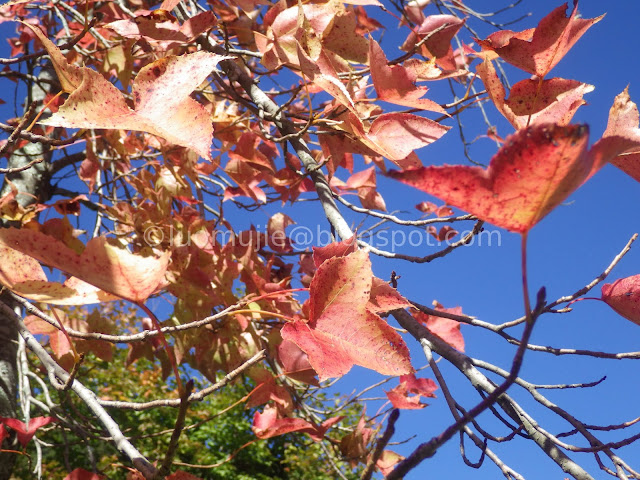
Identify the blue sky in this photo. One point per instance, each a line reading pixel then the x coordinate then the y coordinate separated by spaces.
pixel 566 250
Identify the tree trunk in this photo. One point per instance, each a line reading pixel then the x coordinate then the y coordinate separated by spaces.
pixel 33 185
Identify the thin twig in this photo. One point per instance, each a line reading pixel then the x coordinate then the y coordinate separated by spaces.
pixel 380 445
pixel 165 468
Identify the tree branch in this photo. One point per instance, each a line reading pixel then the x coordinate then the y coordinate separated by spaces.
pixel 86 395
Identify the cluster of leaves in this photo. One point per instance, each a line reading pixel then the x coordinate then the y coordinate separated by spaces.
pixel 150 92
pixel 218 436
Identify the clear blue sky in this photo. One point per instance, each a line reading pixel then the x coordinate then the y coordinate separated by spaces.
pixel 566 250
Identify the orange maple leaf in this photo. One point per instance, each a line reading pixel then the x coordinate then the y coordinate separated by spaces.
pixel 161 92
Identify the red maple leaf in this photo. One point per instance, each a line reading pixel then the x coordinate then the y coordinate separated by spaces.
pixel 534 171
pixel 396 84
pixel 418 387
pixel 623 296
pixel 341 332
pixel 538 50
pixel 24 433
pixel 445 328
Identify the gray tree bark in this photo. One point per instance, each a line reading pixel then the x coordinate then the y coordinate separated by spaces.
pixel 33 185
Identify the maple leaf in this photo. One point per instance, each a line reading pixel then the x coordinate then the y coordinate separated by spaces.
pixel 384 298
pixel 335 249
pixel 162 105
pixel 267 389
pixel 355 445
pixel 161 28
pixel 269 424
pixel 534 101
pixel 320 70
pixel 58 341
pixel 538 50
pixel 365 184
pixel 341 332
pixel 329 24
pixel 438 30
pixel 23 275
pixel 24 433
pixel 387 461
pixel 409 384
pixel 620 142
pixel 338 151
pixel 623 296
pixel 296 363
pixel 82 474
pixel 110 268
pixel 628 163
pixel 396 135
pixel 395 84
pixel 276 236
pixel 536 170
pixel 445 328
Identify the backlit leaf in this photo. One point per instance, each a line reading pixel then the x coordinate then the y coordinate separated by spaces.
pixel 161 92
pixel 535 171
pixel 110 268
pixel 341 332
pixel 395 84
pixel 620 142
pixel 538 51
pixel 24 433
pixel 623 296
pixel 534 101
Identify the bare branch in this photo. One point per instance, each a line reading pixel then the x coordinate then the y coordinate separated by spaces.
pixel 86 395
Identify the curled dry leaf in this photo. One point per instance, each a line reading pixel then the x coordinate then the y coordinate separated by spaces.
pixel 620 143
pixel 276 235
pixel 535 171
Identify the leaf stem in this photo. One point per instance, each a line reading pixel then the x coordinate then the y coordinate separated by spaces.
pixel 168 349
pixel 262 312
pixel 525 283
